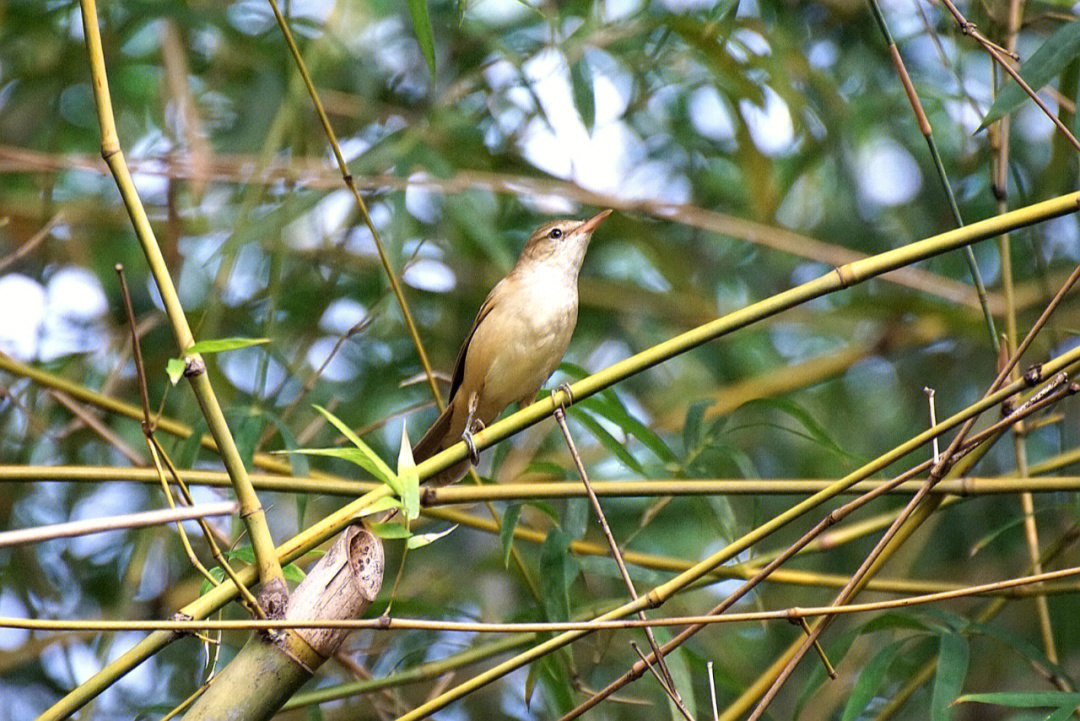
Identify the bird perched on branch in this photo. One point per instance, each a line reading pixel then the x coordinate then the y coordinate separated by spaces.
pixel 517 340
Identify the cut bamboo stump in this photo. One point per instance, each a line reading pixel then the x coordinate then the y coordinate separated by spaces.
pixel 270 668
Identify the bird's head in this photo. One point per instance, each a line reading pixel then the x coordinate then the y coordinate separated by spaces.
pixel 561 241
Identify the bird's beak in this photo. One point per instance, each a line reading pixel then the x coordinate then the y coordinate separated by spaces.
pixel 590 225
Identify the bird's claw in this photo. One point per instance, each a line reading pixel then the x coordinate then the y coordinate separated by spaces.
pixel 569 400
pixel 470 444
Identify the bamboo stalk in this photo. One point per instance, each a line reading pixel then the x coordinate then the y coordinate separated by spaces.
pixel 533 490
pixel 842 277
pixel 251 511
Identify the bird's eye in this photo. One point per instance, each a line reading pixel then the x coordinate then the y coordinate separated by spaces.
pixel 555 234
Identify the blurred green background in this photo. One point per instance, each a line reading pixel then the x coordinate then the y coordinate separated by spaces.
pixel 746 148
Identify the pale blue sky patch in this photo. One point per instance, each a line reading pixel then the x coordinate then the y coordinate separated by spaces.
pixel 19 332
pixel 888 175
pixel 770 126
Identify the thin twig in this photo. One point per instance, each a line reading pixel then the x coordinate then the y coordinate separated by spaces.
pixel 386 623
pixel 560 418
pixel 1001 56
pixel 29 245
pixel 832 518
pixel 672 694
pixel 936 474
pixel 251 511
pixel 140 519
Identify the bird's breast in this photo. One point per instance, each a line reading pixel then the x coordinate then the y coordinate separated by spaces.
pixel 527 333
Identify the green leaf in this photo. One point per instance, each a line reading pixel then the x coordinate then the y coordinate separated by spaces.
pixel 219 345
pixel 352 455
pixel 385 503
pixel 692 427
pixel 423 539
pixel 370 459
pixel 582 83
pixel 814 429
pixel 421 22
pixel 1044 65
pixel 609 441
pixel 870 680
pixel 951 671
pixel 175 369
pixel 390 530
pixel 506 530
pixel 611 408
pixel 1063 713
pixel 408 477
pixel 577 517
pixel 558 569
pixel 680 673
pixel 1025 648
pixel 293 573
pixel 1024 699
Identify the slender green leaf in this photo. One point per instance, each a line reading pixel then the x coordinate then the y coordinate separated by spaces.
pixel 1063 713
pixel 952 669
pixel 1044 65
pixel 408 477
pixel 582 83
pixel 558 569
pixel 815 430
pixel 576 521
pixel 372 463
pixel 423 539
pixel 506 530
pixel 1024 699
pixel 1027 650
pixel 609 441
pixel 354 456
pixel 174 368
pixel 421 22
pixel 870 680
pixel 390 530
pixel 220 345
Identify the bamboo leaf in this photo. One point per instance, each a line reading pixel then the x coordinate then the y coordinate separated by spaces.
pixel 174 368
pixel 870 680
pixel 421 22
pixel 408 477
pixel 1044 65
pixel 558 569
pixel 951 671
pixel 367 459
pixel 582 84
pixel 506 530
pixel 1024 699
pixel 424 539
pixel 220 345
pixel 606 439
pixel 390 530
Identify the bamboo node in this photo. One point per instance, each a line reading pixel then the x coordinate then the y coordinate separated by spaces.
pixel 193 366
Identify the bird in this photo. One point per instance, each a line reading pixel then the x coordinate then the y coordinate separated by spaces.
pixel 519 337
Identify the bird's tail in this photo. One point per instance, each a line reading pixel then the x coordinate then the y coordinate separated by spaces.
pixel 439 437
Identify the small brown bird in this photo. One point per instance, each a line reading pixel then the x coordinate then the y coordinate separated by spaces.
pixel 517 340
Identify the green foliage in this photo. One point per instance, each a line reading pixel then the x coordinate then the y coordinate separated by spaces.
pixel 745 148
pixel 1044 65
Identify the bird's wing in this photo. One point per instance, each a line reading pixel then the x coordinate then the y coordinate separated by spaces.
pixel 459 364
pixel 428 445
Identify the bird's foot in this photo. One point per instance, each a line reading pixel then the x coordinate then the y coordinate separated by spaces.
pixel 467 437
pixel 569 400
